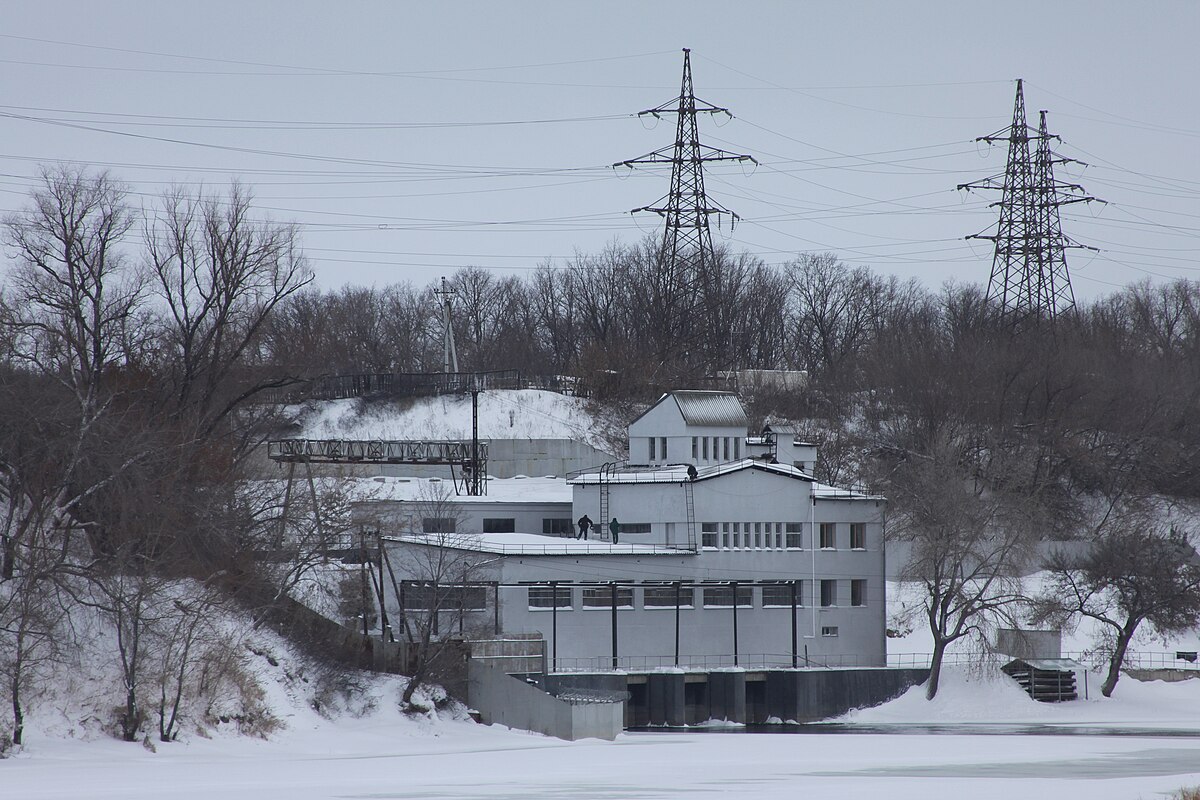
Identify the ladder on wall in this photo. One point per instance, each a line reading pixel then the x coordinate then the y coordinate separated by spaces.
pixel 602 533
pixel 690 504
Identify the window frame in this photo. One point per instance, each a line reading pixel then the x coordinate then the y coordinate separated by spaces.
pixel 858 536
pixel 786 589
pixel 508 524
pixel 743 592
pixel 831 528
pixel 592 593
pixel 687 596
pixel 556 594
pixel 829 598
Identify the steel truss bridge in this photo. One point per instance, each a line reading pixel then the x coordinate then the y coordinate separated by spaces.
pixel 470 456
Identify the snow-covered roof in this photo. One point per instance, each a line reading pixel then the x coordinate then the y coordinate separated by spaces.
pixel 531 544
pixel 708 408
pixel 499 490
pixel 678 473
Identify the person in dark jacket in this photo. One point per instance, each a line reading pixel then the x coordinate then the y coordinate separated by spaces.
pixel 584 523
pixel 614 528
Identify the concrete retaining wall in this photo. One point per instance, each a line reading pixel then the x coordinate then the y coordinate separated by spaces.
pixel 752 697
pixel 504 700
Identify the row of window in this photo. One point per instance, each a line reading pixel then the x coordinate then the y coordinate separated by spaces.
pixel 783 595
pixel 713 535
pixel 775 536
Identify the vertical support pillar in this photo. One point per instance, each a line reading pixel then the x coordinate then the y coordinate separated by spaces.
pixel 678 592
pixel 795 643
pixel 735 623
pixel 554 626
pixel 614 625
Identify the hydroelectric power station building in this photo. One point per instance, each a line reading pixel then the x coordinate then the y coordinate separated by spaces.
pixel 729 552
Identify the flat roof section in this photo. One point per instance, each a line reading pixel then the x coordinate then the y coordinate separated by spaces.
pixel 499 490
pixel 531 544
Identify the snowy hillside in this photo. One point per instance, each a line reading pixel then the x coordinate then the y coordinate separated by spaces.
pixel 517 414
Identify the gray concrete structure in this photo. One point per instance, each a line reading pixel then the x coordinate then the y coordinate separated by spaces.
pixel 501 699
pixel 753 697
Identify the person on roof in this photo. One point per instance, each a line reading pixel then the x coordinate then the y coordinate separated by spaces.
pixel 614 528
pixel 584 523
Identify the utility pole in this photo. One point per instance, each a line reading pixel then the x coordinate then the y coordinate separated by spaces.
pixel 685 257
pixel 1029 281
pixel 449 352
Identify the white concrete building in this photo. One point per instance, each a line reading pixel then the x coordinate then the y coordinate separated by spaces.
pixel 728 551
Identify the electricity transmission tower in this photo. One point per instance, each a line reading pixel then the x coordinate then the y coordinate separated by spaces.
pixel 685 257
pixel 449 351
pixel 1029 280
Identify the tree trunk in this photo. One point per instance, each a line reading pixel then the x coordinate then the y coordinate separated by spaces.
pixel 1118 658
pixel 935 669
pixel 18 714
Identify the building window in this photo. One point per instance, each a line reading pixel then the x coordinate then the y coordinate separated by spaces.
pixel 858 536
pixel 780 595
pixel 737 448
pixel 794 536
pixel 557 526
pixel 695 449
pixel 704 446
pixel 722 597
pixel 828 535
pixel 725 447
pixel 829 630
pixel 778 535
pixel 601 597
pixel 425 597
pixel 499 525
pixel 858 592
pixel 662 447
pixel 664 596
pixel 550 597
pixel 652 441
pixel 438 524
pixel 724 535
pixel 828 593
pixel 708 535
pixel 634 527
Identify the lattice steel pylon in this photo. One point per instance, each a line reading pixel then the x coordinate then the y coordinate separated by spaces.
pixel 1030 281
pixel 686 251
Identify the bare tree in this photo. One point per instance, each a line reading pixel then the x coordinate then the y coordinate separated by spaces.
pixel 220 274
pixel 1138 571
pixel 71 297
pixel 434 572
pixel 967 541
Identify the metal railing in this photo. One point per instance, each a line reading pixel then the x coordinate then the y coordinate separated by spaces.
pixel 753 661
pixel 416 384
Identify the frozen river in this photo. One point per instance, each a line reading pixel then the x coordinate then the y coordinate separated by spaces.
pixel 478 762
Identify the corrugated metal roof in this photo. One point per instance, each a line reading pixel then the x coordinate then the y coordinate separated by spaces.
pixel 721 409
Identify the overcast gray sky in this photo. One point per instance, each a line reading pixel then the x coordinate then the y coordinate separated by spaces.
pixel 409 140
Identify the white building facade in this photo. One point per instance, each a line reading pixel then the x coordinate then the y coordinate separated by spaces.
pixel 727 552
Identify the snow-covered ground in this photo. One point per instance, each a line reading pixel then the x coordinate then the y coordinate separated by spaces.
pixel 381 755
pixel 359 745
